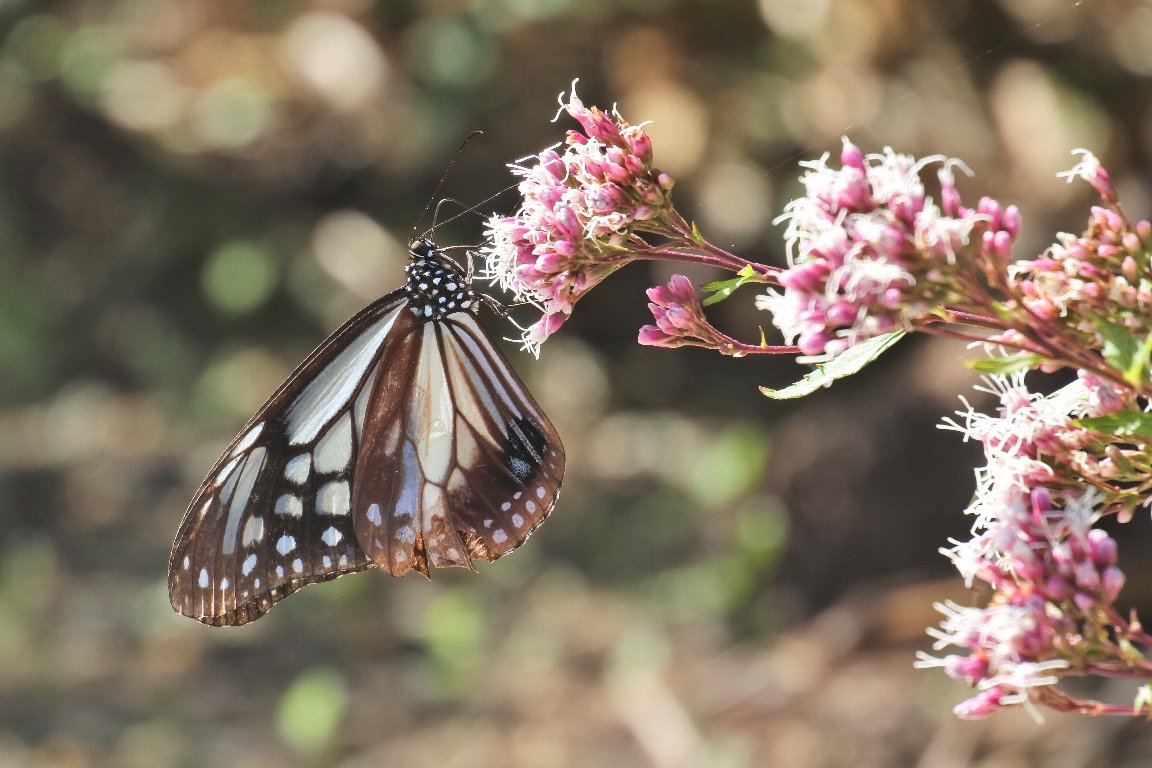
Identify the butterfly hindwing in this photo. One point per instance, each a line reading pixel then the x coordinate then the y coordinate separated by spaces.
pixel 505 493
pixel 273 514
pixel 458 460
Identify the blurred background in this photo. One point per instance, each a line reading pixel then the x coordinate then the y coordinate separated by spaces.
pixel 193 193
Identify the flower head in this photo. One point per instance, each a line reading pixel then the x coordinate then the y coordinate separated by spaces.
pixel 680 319
pixel 1054 575
pixel 870 252
pixel 1095 284
pixel 580 209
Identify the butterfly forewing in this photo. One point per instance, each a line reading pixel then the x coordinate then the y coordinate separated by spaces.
pixel 273 514
pixel 405 440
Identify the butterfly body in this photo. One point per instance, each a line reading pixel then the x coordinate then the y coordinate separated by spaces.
pixel 405 440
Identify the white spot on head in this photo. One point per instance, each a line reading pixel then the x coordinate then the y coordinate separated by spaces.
pixel 331 537
pixel 499 536
pixel 249 564
pixel 518 520
pixel 374 515
pixel 289 506
pixel 286 544
pixel 334 498
pixel 203 582
pixel 297 566
pixel 298 468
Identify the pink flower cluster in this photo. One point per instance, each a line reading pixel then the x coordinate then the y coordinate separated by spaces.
pixel 1103 273
pixel 870 252
pixel 579 211
pixel 1054 576
pixel 680 320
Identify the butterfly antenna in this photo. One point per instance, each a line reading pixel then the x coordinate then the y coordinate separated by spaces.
pixel 439 186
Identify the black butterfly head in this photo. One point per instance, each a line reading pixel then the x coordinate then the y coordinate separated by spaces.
pixel 436 285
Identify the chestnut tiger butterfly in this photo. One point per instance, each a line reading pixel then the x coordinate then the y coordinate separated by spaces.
pixel 404 440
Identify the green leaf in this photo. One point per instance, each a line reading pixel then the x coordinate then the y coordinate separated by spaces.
pixel 1121 423
pixel 722 289
pixel 1143 699
pixel 846 363
pixel 1123 351
pixel 1024 361
pixel 1137 373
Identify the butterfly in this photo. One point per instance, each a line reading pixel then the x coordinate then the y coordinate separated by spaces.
pixel 404 440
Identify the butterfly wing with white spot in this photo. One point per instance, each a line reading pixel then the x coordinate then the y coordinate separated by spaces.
pixel 274 513
pixel 458 461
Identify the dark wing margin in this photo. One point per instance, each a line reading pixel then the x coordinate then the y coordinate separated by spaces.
pixel 274 513
pixel 458 460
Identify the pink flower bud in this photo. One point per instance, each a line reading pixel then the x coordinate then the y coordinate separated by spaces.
pixel 850 154
pixel 1143 229
pixel 1012 220
pixel 1101 548
pixel 1111 582
pixel 618 173
pixel 980 706
pixel 567 222
pixel 842 314
pixel 812 342
pixel 651 336
pixel 809 276
pixel 551 162
pixel 1086 603
pixel 1056 588
pixel 1129 267
pixel 550 262
pixel 1087 577
pixel 545 327
pixel 641 145
pixel 971 669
